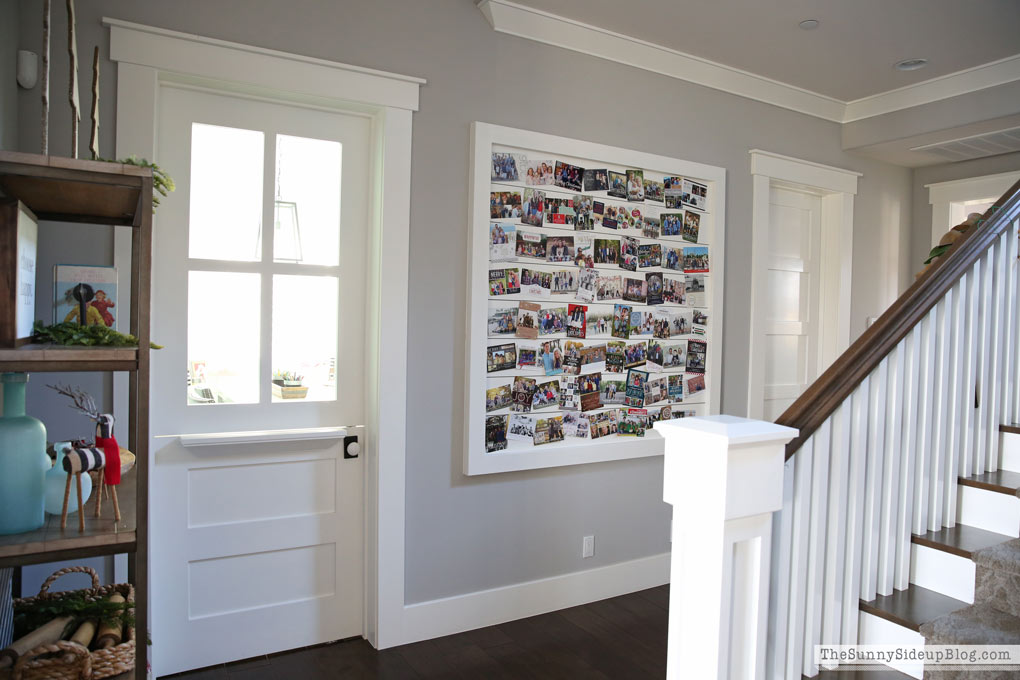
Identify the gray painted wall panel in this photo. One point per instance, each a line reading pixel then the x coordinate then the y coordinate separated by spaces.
pixel 469 534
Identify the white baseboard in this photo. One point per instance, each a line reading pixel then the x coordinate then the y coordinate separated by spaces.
pixel 449 615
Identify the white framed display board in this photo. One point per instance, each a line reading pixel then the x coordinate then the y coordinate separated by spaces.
pixel 584 293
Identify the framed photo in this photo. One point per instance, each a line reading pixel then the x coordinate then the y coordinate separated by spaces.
pixel 571 308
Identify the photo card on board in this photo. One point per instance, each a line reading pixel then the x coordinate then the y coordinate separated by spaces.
pixel 534 207
pixel 505 205
pixel 569 176
pixel 635 185
pixel 596 179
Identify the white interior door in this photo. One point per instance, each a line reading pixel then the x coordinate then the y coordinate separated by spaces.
pixel 792 302
pixel 259 296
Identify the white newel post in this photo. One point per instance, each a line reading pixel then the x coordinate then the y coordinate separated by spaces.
pixel 724 479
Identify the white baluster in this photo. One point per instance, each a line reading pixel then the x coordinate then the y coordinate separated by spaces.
pixel 835 532
pixel 968 383
pixel 891 472
pixel 1010 339
pixel 873 484
pixel 953 414
pixel 984 345
pixel 995 363
pixel 905 509
pixel 855 510
pixel 816 545
pixel 799 559
pixel 943 398
pixel 779 587
pixel 925 404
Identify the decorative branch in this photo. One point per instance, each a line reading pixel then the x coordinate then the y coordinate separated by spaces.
pixel 94 140
pixel 83 401
pixel 72 51
pixel 46 79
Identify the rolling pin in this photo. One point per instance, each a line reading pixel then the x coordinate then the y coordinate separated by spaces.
pixel 83 636
pixel 51 632
pixel 109 635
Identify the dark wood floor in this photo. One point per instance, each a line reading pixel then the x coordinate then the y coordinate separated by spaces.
pixel 624 637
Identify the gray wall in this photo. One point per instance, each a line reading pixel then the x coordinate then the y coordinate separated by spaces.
pixel 920 242
pixel 469 534
pixel 8 74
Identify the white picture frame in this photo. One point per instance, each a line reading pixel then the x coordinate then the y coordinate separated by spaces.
pixel 487 139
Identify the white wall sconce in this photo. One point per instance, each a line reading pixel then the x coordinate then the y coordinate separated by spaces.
pixel 28 69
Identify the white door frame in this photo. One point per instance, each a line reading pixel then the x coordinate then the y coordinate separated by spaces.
pixel 941 196
pixel 837 188
pixel 148 56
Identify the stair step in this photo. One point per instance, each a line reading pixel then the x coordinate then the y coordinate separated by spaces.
pixel 1004 556
pixel 861 675
pixel 1011 429
pixel 976 624
pixel 960 540
pixel 1000 481
pixel 912 607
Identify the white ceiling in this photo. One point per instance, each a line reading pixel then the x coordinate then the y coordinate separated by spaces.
pixel 849 56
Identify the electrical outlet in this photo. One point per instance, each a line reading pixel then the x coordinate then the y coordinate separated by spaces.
pixel 588 546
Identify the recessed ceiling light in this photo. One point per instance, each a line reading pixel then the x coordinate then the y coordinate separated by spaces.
pixel 808 24
pixel 911 64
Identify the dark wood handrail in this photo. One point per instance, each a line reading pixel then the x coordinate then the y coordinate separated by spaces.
pixel 824 395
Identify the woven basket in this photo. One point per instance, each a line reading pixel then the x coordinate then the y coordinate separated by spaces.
pixel 72 661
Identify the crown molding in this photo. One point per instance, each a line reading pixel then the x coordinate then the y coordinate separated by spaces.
pixel 525 22
pixel 981 77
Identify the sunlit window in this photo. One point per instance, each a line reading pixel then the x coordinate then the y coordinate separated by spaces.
pixel 227 315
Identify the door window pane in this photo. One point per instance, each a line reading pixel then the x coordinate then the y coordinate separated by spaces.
pixel 304 338
pixel 223 337
pixel 226 193
pixel 307 206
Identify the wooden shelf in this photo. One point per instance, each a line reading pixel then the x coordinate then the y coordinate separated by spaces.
pixel 73 190
pixel 102 536
pixel 36 358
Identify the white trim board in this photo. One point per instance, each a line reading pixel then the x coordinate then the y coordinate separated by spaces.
pixel 280 72
pixel 459 613
pixel 837 188
pixel 147 59
pixel 525 22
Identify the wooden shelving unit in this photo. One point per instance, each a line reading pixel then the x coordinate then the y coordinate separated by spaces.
pixel 92 192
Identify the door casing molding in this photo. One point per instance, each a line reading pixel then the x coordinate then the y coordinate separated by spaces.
pixel 836 187
pixel 149 58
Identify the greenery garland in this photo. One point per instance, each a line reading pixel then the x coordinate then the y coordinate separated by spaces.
pixel 162 183
pixel 73 333
pixel 32 615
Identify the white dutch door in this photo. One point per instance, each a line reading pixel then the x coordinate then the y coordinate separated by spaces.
pixel 257 517
pixel 791 323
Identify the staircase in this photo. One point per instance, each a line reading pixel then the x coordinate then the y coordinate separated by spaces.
pixel 965 579
pixel 901 514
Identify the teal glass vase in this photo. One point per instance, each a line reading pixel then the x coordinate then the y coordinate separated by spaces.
pixel 23 460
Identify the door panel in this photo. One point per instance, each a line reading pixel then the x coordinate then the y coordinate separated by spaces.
pixel 791 319
pixel 257 547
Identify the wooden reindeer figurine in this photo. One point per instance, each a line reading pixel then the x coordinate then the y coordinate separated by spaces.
pixel 102 457
pixel 80 458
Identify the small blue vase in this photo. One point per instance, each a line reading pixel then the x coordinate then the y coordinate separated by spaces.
pixel 23 460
